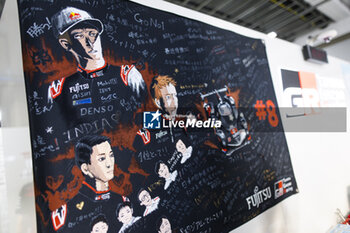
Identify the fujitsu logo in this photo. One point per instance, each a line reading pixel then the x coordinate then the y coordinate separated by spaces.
pixel 258 197
pixel 78 87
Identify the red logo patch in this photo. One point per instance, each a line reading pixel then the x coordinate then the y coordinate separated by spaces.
pixel 74 16
pixel 145 135
pixel 124 72
pixel 56 87
pixel 59 217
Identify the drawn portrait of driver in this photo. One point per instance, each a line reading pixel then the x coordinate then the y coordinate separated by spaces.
pixel 95 158
pixel 98 89
pixel 164 95
pixel 163 225
pixel 163 172
pixel 99 224
pixel 151 204
pixel 124 215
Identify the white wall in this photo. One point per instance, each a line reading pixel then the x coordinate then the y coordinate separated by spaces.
pixel 340 50
pixel 320 160
pixel 17 209
pixel 12 91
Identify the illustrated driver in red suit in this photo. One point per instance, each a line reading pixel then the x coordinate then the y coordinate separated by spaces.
pixel 146 200
pixel 97 90
pixel 95 158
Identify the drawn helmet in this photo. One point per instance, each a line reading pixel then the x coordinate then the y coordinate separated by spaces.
pixel 224 109
pixel 225 114
pixel 67 18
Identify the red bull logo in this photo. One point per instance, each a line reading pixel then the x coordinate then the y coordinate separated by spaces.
pixel 74 16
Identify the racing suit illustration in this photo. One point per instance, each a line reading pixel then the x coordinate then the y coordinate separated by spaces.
pixel 75 216
pixel 106 96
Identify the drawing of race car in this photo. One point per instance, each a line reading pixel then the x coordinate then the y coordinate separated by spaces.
pixel 233 133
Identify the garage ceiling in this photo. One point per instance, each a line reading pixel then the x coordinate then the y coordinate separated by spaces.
pixel 288 18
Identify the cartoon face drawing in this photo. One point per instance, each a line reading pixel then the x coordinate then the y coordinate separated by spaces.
pixel 181 147
pixel 101 165
pixel 165 227
pixel 99 224
pixel 163 171
pixel 169 96
pixel 100 227
pixel 79 33
pixel 145 198
pixel 163 91
pixel 125 215
pixel 86 42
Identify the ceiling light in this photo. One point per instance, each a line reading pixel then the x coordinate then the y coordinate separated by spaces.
pixel 272 34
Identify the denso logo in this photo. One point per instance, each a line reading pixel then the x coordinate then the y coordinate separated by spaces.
pixel 78 87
